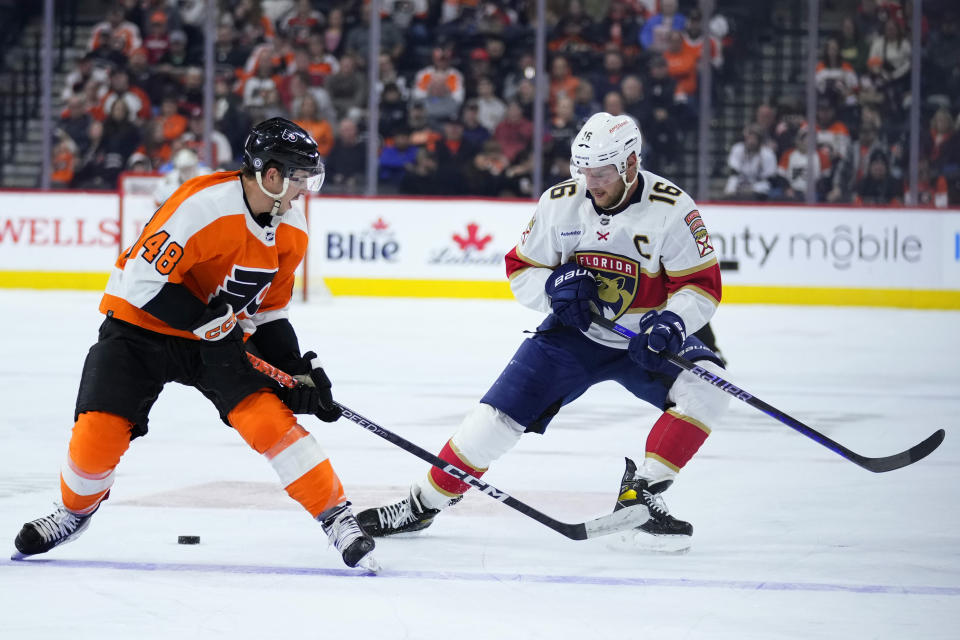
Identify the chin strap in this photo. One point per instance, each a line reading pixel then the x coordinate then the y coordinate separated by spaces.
pixel 626 191
pixel 276 196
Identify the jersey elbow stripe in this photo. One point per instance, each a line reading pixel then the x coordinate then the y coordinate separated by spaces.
pixel 297 453
pixel 696 269
pixel 709 295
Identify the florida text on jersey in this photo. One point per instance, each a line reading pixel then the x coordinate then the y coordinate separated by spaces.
pixel 654 254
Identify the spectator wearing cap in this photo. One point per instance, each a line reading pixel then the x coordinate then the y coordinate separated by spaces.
pixel 454 155
pixel 115 26
pixel 878 187
pixel 156 42
pixel 439 71
pixel 473 131
pixel 178 57
pixel 653 37
pixel 478 66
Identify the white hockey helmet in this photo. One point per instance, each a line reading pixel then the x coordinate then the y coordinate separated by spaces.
pixel 605 139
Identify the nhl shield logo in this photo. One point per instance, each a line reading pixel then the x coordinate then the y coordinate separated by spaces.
pixel 617 279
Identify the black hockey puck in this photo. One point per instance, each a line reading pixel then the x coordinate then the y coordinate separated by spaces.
pixel 188 539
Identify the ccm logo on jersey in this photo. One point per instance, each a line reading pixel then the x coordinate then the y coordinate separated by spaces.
pixel 699 232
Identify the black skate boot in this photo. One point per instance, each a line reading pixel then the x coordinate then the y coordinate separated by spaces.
pixel 346 535
pixel 662 532
pixel 406 516
pixel 43 534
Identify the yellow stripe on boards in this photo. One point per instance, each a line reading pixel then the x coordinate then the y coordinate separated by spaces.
pixel 900 298
pixel 500 290
pixel 53 280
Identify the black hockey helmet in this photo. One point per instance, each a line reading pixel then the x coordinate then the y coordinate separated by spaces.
pixel 286 144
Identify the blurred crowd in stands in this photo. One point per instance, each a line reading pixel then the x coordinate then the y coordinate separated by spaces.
pixel 862 117
pixel 456 93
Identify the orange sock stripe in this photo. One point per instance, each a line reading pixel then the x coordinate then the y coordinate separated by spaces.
pixel 674 440
pixel 318 489
pixel 97 443
pixel 447 483
pixel 77 503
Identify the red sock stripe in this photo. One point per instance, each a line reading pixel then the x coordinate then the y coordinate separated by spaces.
pixel 674 440
pixel 447 482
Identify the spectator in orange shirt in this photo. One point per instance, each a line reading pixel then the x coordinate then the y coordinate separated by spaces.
pixel 308 116
pixel 562 81
pixel 682 66
pixel 64 161
pixel 171 121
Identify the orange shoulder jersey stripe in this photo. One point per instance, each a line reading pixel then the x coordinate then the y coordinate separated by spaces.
pixel 204 238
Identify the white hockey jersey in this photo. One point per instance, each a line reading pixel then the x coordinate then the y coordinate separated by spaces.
pixel 655 254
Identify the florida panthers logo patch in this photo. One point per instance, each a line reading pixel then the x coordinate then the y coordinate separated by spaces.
pixel 699 232
pixel 245 289
pixel 617 279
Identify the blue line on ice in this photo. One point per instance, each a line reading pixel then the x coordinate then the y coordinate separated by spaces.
pixel 609 581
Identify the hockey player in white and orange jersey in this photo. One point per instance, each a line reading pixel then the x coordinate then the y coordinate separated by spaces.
pixel 216 261
pixel 632 246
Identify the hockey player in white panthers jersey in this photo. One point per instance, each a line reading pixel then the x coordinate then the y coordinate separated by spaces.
pixel 628 244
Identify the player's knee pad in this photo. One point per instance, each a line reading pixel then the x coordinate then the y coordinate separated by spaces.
pixel 485 434
pixel 698 400
pixel 262 420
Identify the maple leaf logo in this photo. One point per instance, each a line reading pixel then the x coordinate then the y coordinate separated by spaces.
pixel 472 239
pixel 380 224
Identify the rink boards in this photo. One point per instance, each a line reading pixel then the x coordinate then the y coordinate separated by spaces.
pixel 454 248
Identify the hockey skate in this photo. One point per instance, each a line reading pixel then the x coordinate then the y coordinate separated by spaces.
pixel 43 534
pixel 407 516
pixel 662 532
pixel 345 534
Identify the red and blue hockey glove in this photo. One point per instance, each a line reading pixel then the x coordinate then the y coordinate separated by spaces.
pixel 573 295
pixel 659 331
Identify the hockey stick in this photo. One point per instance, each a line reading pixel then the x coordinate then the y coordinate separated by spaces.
pixel 877 465
pixel 621 520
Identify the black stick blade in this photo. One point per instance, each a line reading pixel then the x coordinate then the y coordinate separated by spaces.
pixel 904 458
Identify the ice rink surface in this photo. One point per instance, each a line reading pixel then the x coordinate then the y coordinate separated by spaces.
pixel 791 540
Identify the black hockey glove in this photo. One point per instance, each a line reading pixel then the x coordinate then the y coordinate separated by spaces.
pixel 221 337
pixel 573 295
pixel 313 394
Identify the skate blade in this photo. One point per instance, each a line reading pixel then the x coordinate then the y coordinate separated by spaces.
pixel 16 556
pixel 635 540
pixel 369 563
